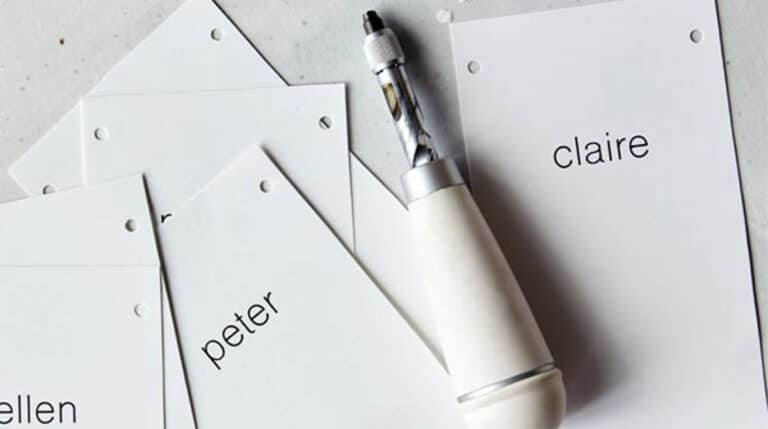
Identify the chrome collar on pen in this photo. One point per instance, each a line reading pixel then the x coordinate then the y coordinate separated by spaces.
pixel 498 385
pixel 386 58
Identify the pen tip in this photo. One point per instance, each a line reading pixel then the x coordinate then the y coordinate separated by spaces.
pixel 372 22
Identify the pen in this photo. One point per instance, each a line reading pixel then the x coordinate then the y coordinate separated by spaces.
pixel 503 374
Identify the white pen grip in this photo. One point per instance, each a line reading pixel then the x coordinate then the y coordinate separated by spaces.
pixel 487 331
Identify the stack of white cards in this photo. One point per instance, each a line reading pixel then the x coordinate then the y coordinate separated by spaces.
pixel 207 254
pixel 277 323
pixel 81 310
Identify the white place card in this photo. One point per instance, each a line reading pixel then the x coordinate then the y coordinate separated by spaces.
pixel 180 141
pixel 600 150
pixel 101 225
pixel 82 347
pixel 106 227
pixel 279 326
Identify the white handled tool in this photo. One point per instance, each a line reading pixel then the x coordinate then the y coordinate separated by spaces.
pixel 502 370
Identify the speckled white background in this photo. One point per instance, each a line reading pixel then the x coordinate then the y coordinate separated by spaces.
pixel 52 52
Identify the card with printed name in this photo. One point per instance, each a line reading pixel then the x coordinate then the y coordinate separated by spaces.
pixel 275 316
pixel 600 149
pixel 82 347
pixel 80 311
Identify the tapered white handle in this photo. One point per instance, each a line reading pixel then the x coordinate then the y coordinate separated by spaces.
pixel 502 370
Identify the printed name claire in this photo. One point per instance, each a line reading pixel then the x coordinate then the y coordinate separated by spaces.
pixel 595 152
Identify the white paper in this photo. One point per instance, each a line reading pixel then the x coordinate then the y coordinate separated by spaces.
pixel 87 227
pixel 181 141
pixel 179 55
pixel 383 248
pixel 72 339
pixel 637 266
pixel 331 347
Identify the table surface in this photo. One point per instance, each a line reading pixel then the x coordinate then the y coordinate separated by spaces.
pixel 51 53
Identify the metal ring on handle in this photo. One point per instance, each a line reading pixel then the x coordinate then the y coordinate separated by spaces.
pixel 497 385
